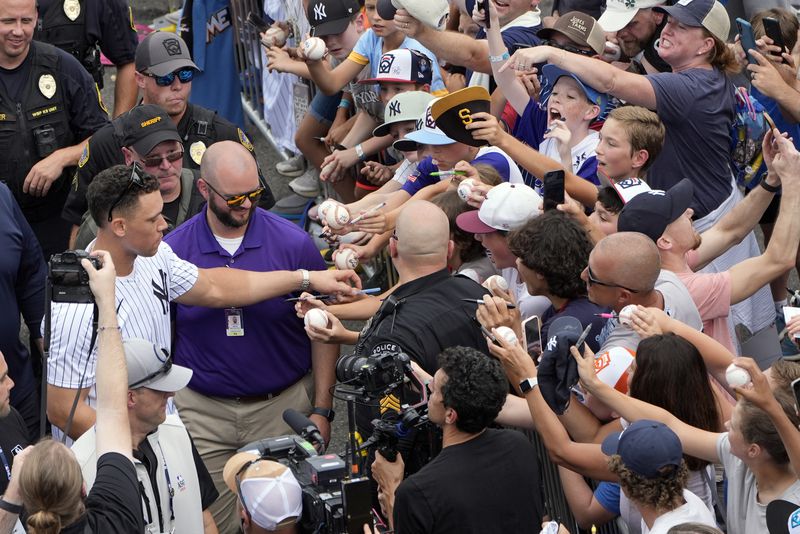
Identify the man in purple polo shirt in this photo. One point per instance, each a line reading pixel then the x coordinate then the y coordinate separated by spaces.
pixel 249 363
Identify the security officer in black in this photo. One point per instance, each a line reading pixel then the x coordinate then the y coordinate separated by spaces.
pixel 164 73
pixel 48 107
pixel 84 28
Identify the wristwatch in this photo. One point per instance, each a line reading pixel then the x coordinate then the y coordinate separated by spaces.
pixel 306 283
pixel 327 413
pixel 528 384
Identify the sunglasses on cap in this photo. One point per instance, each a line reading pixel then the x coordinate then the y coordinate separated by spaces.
pixel 185 75
pixel 163 370
pixel 136 179
pixel 594 281
pixel 234 201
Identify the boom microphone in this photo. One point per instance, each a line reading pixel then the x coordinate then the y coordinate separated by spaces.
pixel 304 427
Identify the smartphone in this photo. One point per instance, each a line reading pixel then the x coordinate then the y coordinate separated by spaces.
pixel 357 504
pixel 532 335
pixel 553 189
pixel 772 28
pixel 484 6
pixel 257 22
pixel 746 38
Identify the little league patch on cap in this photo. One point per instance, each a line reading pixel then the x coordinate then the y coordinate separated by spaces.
pixel 161 53
pixel 403 65
pixel 408 106
pixel 426 133
pixel 629 188
pixel 330 17
pixel 652 211
pixel 551 74
pixel 619 13
pixel 453 112
pixel 645 447
pixel 146 126
pixel 506 207
pixel 579 28
pixel 708 14
pixel 783 517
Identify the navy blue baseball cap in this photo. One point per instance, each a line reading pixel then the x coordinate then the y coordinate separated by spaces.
pixel 646 447
pixel 708 14
pixel 650 212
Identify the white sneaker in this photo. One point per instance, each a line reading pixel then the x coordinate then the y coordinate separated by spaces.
pixel 292 167
pixel 306 185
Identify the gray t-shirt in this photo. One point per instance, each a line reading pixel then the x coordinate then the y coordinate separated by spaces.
pixel 678 304
pixel 745 514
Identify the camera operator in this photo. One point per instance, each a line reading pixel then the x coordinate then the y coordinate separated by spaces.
pixel 49 480
pixel 126 205
pixel 450 494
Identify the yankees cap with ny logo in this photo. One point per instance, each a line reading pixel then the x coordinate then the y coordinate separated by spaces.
pixel 330 17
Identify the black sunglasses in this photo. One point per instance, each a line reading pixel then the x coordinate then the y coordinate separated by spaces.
pixel 185 75
pixel 136 179
pixel 595 281
pixel 155 161
pixel 234 201
pixel 568 48
pixel 163 370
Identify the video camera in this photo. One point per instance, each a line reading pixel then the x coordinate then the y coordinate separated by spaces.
pixel 69 279
pixel 373 376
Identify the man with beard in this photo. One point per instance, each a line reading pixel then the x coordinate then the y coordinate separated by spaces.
pixel 637 27
pixel 150 139
pixel 666 218
pixel 253 362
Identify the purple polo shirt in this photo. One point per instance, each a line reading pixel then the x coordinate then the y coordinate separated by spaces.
pixel 274 351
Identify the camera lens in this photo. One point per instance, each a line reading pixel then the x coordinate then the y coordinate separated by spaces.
pixel 348 367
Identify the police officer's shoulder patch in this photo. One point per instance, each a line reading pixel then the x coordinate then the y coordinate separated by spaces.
pixel 82 161
pixel 100 99
pixel 244 140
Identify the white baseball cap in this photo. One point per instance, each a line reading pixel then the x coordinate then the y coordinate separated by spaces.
pixel 629 188
pixel 408 106
pixel 619 13
pixel 506 207
pixel 151 367
pixel 427 133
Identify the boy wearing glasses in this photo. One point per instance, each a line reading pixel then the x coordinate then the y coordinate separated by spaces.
pixel 151 140
pixel 164 73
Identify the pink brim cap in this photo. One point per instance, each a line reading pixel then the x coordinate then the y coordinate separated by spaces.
pixel 470 222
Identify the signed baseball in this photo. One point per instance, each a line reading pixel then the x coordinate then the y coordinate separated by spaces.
pixel 322 211
pixel 314 48
pixel 506 333
pixel 736 376
pixel 346 259
pixel 465 188
pixel 316 318
pixel 337 217
pixel 274 37
pixel 495 282
pixel 626 314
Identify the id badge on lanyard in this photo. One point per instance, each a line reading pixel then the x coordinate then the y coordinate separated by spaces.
pixel 234 322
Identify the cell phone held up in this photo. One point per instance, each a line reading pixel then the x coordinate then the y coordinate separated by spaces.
pixel 772 29
pixel 257 22
pixel 746 38
pixel 483 5
pixel 553 189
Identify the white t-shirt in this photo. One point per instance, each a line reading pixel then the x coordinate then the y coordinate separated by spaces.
pixel 694 511
pixel 142 299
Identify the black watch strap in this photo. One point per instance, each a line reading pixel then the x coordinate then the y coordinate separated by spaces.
pixel 770 188
pixel 327 413
pixel 10 507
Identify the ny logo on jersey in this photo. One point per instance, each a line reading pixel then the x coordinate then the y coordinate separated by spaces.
pixel 161 291
pixel 319 12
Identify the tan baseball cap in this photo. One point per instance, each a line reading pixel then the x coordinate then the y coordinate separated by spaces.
pixel 579 28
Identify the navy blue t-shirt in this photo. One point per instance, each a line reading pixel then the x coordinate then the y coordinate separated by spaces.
pixel 697 107
pixel 583 310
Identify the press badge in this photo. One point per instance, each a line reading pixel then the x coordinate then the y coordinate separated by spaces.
pixel 233 322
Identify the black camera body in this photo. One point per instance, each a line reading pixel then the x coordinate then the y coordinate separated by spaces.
pixel 374 375
pixel 69 279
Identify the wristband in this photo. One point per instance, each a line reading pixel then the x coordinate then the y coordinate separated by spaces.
pixel 306 283
pixel 10 507
pixel 344 103
pixel 327 413
pixel 360 152
pixel 498 59
pixel 770 188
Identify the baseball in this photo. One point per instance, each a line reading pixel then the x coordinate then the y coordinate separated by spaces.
pixel 314 48
pixel 274 37
pixel 465 188
pixel 346 259
pixel 316 318
pixel 626 315
pixel 736 376
pixel 322 211
pixel 327 170
pixel 495 282
pixel 506 333
pixel 337 217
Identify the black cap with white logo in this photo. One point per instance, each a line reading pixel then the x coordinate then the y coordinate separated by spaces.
pixel 330 17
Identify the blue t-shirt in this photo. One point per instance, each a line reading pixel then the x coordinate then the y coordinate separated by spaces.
pixel 697 107
pixel 487 155
pixel 607 494
pixel 782 123
pixel 583 310
pixel 274 351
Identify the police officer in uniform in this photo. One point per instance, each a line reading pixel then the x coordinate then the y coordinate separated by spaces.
pixel 84 28
pixel 164 73
pixel 48 107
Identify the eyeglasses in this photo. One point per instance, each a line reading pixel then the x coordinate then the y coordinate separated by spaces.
pixel 568 48
pixel 234 201
pixel 163 370
pixel 155 161
pixel 595 281
pixel 137 179
pixel 184 75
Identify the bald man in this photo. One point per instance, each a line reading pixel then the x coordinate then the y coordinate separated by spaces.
pixel 625 268
pixel 250 363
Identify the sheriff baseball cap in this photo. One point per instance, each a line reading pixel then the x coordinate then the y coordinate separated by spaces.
pixel 268 489
pixel 579 28
pixel 403 65
pixel 551 74
pixel 408 106
pixel 708 14
pixel 619 13
pixel 646 447
pixel 652 211
pixel 426 133
pixel 151 367
pixel 145 126
pixel 161 53
pixel 506 207
pixel 330 17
